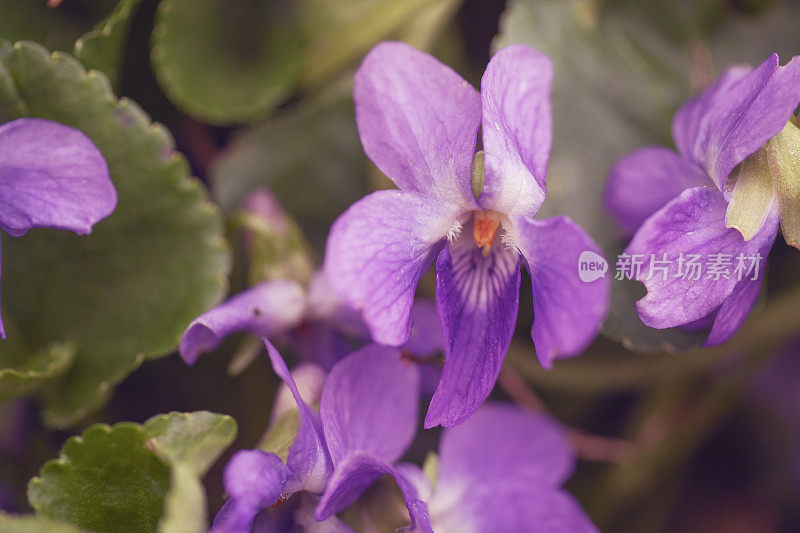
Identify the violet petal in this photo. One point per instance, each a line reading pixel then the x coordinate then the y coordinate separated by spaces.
pixel 567 311
pixel 377 251
pixel 516 130
pixel 477 298
pixel 51 176
pixel 418 121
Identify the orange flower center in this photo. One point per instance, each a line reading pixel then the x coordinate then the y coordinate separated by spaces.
pixel 483 231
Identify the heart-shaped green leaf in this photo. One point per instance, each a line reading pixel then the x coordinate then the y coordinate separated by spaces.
pixel 125 293
pixel 226 64
pixel 105 480
pixel 252 57
pixel 127 476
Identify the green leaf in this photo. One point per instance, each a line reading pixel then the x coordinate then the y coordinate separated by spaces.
pixel 106 480
pixel 125 293
pixel 428 24
pixel 310 158
pixel 125 477
pixel 253 57
pixel 341 36
pixel 192 438
pixel 246 61
pixel 34 524
pixel 191 443
pixel 21 377
pixel 101 48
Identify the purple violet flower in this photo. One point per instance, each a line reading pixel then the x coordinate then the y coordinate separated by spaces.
pixel 418 121
pixel 501 470
pixel 678 201
pixel 314 321
pixel 265 309
pixel 51 176
pixel 366 420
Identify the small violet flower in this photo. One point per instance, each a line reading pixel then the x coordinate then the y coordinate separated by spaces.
pixel 270 308
pixel 313 321
pixel 51 176
pixel 701 200
pixel 367 417
pixel 418 121
pixel 499 471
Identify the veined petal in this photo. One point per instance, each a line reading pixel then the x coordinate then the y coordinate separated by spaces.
pixel 510 508
pixel 308 456
pixel 517 130
pixel 418 121
pixel 263 310
pixel 503 444
pixel 644 181
pixel 370 403
pixel 477 298
pixel 378 249
pixel 354 474
pixel 693 120
pixel 692 224
pixel 567 311
pixel 736 116
pixel 51 176
pixel 254 480
pixel 733 312
pixel 736 307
